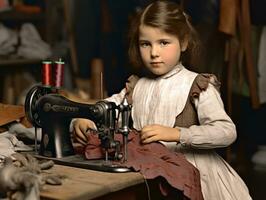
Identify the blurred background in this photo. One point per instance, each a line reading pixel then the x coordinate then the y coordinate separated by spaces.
pixel 90 36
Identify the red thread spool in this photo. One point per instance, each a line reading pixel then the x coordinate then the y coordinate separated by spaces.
pixel 59 73
pixel 47 73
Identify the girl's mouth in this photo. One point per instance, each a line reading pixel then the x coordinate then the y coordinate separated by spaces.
pixel 156 63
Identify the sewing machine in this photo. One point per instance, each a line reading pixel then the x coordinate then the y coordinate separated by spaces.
pixel 52 112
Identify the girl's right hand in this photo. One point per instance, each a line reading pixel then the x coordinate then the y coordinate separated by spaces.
pixel 81 129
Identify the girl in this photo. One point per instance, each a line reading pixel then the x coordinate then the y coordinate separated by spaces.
pixel 178 107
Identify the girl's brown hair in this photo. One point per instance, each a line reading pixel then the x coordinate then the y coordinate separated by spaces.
pixel 168 17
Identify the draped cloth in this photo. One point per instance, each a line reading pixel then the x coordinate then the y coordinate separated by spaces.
pixel 154 160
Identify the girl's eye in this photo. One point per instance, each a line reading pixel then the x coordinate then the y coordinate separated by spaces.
pixel 144 44
pixel 164 43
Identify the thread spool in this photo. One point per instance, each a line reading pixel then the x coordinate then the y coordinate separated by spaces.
pixel 47 73
pixel 59 74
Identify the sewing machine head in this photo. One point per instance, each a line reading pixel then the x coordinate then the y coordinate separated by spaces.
pixel 52 112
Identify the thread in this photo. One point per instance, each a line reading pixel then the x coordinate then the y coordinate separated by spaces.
pixel 47 73
pixel 148 188
pixel 59 73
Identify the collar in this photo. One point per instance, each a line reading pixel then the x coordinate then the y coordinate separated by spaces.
pixel 174 71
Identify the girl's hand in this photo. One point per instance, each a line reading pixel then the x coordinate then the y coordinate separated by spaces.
pixel 153 133
pixel 80 130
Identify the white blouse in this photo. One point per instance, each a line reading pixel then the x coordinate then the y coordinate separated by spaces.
pixel 160 100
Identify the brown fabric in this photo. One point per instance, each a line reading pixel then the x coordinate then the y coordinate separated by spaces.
pixel 245 29
pixel 228 16
pixel 154 160
pixel 188 116
pixel 235 18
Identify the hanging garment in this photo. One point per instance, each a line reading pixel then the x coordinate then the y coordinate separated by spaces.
pixel 262 67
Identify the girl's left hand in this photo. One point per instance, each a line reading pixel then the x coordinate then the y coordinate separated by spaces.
pixel 153 133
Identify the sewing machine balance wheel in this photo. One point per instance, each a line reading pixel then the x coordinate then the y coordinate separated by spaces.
pixel 34 94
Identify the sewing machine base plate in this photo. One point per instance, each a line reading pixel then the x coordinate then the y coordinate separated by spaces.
pixel 80 162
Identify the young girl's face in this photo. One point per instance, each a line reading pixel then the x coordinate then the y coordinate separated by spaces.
pixel 160 52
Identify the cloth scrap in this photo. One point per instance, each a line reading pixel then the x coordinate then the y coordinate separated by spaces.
pixel 21 176
pixel 9 144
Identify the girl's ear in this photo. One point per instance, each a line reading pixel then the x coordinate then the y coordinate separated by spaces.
pixel 184 44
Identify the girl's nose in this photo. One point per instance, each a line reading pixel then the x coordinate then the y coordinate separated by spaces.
pixel 154 52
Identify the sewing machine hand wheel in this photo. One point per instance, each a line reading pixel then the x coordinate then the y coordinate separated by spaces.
pixel 32 97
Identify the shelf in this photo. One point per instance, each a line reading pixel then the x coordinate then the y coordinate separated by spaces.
pixel 21 16
pixel 18 61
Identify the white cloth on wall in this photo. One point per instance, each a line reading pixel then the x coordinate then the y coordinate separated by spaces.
pixel 259 158
pixel 262 67
pixel 32 45
pixel 8 40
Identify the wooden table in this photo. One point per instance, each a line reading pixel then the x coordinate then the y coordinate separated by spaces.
pixel 88 184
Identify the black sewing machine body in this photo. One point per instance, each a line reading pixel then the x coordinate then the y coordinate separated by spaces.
pixel 52 112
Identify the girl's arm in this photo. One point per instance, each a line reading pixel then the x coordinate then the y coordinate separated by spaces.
pixel 216 129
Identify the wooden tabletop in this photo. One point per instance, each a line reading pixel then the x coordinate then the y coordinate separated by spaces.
pixel 88 184
pixel 9 113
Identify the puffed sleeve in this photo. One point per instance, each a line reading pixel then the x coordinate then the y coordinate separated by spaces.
pixel 216 129
pixel 127 91
pixel 117 98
